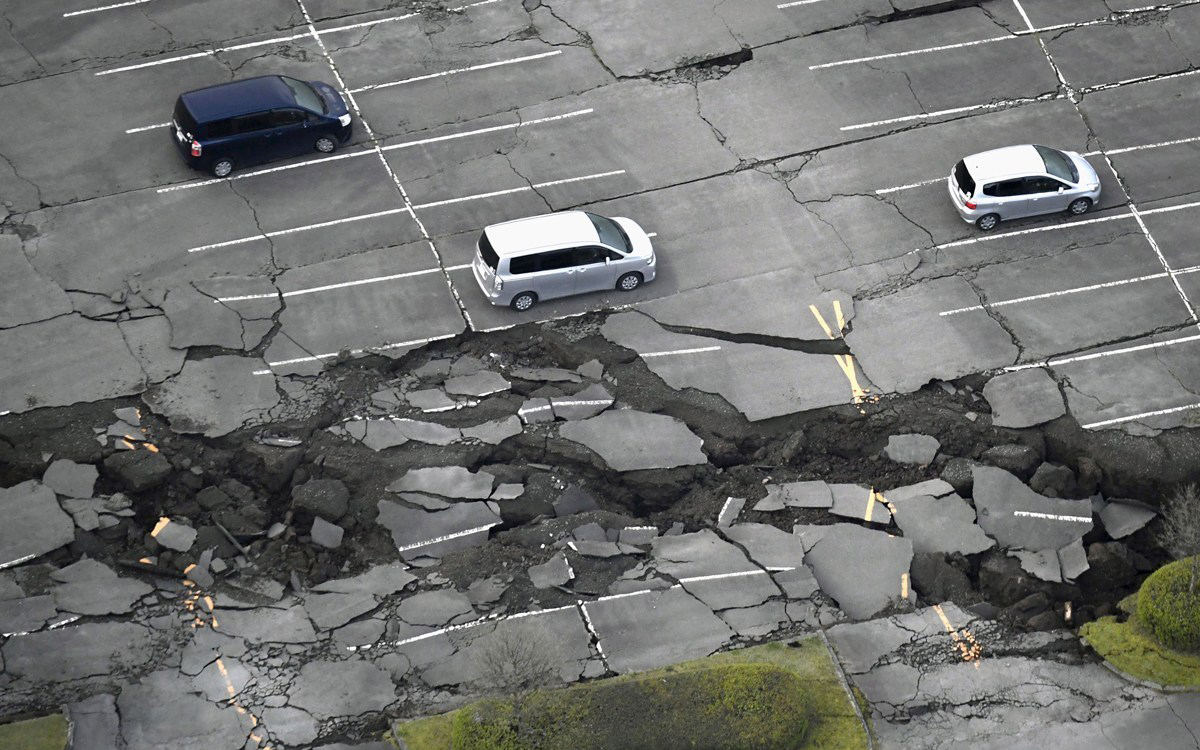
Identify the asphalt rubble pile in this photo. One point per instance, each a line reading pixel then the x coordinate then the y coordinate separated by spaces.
pixel 491 476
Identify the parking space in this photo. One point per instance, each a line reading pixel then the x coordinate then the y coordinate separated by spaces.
pixel 76 34
pixel 826 153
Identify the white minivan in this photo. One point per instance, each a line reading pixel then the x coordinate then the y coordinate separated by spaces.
pixel 520 262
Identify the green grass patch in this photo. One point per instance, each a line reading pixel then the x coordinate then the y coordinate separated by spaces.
pixel 1131 649
pixel 771 696
pixel 44 733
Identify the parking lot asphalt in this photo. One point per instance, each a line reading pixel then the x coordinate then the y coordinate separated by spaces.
pixel 753 141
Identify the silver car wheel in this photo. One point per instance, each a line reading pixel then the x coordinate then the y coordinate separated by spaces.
pixel 629 282
pixel 1080 206
pixel 326 145
pixel 222 168
pixel 524 301
pixel 988 222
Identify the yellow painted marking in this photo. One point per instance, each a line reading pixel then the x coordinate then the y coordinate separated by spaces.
pixel 904 586
pixel 844 361
pixel 879 498
pixel 969 653
pixel 821 320
pixel 128 445
pixel 870 506
pixel 208 603
pixel 146 560
pixel 158 527
pixel 151 447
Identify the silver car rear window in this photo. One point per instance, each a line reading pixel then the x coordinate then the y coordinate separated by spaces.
pixel 963 177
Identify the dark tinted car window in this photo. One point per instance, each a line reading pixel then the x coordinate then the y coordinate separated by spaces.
pixel 1043 184
pixel 1058 164
pixel 586 256
pixel 488 253
pixel 964 179
pixel 252 123
pixel 1006 189
pixel 184 119
pixel 558 259
pixel 305 95
pixel 523 264
pixel 282 117
pixel 219 129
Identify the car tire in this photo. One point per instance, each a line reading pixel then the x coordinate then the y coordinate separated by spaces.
pixel 222 167
pixel 629 281
pixel 523 301
pixel 1080 206
pixel 988 222
pixel 326 144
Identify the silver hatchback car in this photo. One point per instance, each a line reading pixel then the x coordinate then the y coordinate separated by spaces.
pixel 520 262
pixel 1015 181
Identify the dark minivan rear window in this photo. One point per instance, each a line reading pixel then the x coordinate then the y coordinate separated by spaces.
pixel 963 178
pixel 184 119
pixel 487 252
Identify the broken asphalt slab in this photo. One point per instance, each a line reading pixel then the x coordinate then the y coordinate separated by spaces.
pixel 862 585
pixel 1016 516
pixel 632 440
pixel 191 403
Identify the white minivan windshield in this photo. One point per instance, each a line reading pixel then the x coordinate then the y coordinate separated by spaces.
pixel 611 233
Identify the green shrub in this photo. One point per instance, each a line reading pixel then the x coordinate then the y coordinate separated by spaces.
pixel 1168 610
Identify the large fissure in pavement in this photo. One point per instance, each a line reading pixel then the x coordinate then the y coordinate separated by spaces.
pixel 256 493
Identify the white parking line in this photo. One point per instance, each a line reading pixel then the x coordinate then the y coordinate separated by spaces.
pixel 1019 33
pixel 1018 233
pixel 910 186
pixel 484 66
pixel 273 40
pixel 104 7
pixel 157 126
pixel 1075 290
pixel 354 352
pixel 1098 355
pixel 367 152
pixel 342 285
pixel 1143 415
pixel 522 189
pixel 329 287
pixel 293 230
pixel 1110 152
pixel 1176 142
pixel 955 111
pixel 891 55
pixel 447 537
pixel 699 350
pixel 1051 516
pixel 794 3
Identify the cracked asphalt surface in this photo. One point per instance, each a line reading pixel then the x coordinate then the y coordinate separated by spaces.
pixel 813 282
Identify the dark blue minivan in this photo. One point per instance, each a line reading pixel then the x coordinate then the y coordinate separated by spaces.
pixel 256 120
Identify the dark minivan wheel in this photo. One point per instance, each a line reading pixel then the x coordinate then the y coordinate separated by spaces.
pixel 524 301
pixel 222 167
pixel 326 145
